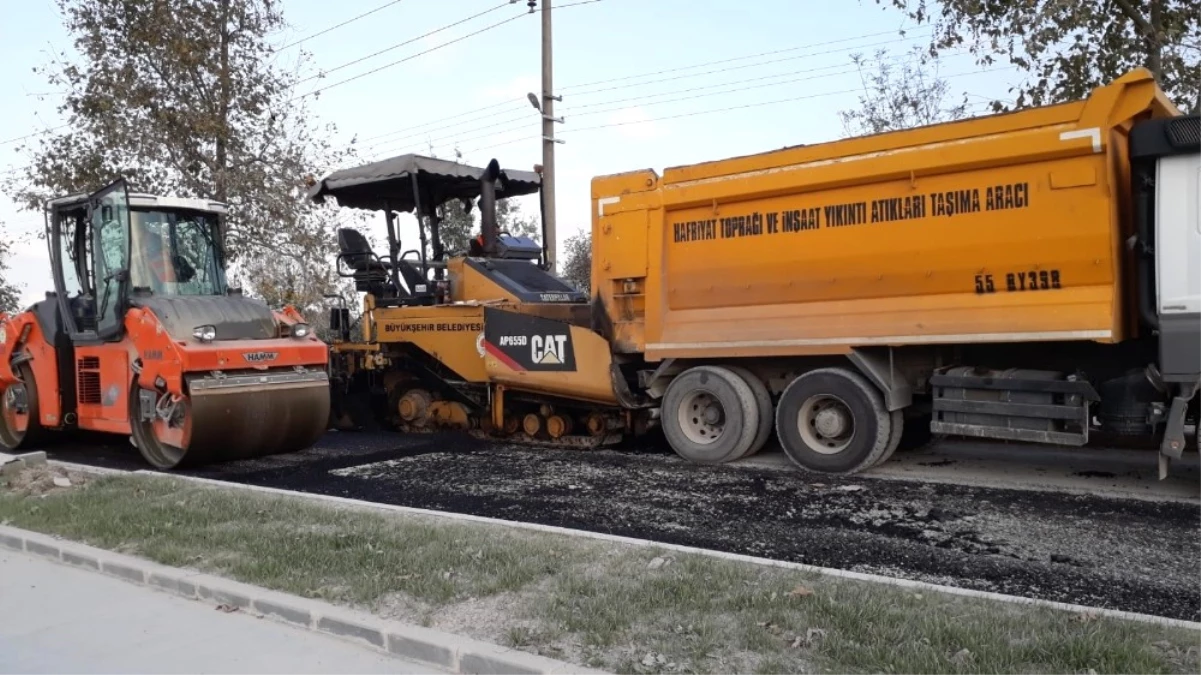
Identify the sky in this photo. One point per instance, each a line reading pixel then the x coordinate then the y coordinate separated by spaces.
pixel 646 84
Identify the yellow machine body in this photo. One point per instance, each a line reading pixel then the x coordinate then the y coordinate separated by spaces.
pixel 1005 228
pixel 991 278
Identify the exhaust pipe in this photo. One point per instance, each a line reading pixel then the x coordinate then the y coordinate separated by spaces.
pixel 488 224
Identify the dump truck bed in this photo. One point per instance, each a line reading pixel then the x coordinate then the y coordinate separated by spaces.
pixel 1009 227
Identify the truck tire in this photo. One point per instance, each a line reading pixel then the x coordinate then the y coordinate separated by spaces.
pixel 832 420
pixel 709 415
pixel 896 423
pixel 762 403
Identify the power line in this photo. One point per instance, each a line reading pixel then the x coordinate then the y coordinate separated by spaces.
pixel 332 28
pixel 570 108
pixel 36 133
pixel 475 113
pixel 848 71
pixel 524 117
pixel 696 113
pixel 457 136
pixel 411 57
pixel 732 59
pixel 501 145
pixel 726 84
pixel 398 45
pixel 758 104
pixel 525 120
pixel 740 67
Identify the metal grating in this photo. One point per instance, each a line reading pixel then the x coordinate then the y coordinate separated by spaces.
pixel 1185 132
pixel 88 380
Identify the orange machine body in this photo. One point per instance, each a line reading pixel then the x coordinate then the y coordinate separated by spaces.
pixel 143 337
pixel 106 373
pixel 1005 228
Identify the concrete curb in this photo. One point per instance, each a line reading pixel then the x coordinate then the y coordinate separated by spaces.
pixel 453 653
pixel 12 463
pixel 767 562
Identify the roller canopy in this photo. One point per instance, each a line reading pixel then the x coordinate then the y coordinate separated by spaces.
pixel 389 182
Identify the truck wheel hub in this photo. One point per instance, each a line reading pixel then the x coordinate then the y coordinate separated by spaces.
pixel 826 424
pixel 831 422
pixel 713 414
pixel 701 418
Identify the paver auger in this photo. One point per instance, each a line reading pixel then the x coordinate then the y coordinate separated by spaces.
pixel 143 337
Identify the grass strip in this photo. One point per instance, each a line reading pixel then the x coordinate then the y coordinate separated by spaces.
pixel 615 607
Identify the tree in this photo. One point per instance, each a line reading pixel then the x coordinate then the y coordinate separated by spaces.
pixel 577 260
pixel 458 226
pixel 186 98
pixel 898 97
pixel 10 294
pixel 1068 48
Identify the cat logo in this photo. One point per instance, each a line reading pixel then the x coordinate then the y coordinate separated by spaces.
pixel 548 350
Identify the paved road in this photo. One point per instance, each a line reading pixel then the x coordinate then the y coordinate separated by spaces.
pixel 57 619
pixel 1082 538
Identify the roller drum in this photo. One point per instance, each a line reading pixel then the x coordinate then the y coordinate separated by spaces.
pixel 238 417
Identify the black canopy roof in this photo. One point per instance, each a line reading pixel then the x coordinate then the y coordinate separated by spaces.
pixel 389 182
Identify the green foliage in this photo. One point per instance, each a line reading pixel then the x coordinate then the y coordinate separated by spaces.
pixel 458 226
pixel 10 295
pixel 898 96
pixel 1066 49
pixel 187 98
pixel 576 265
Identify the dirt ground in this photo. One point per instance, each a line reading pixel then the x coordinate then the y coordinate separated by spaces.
pixel 42 479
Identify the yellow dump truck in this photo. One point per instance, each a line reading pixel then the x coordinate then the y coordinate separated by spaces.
pixel 1032 276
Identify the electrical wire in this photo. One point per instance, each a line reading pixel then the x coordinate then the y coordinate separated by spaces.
pixel 697 113
pixel 410 57
pixel 740 67
pixel 726 84
pixel 755 105
pixel 728 60
pixel 36 133
pixel 457 136
pixel 333 28
pixel 569 110
pixel 398 45
pixel 476 115
pixel 847 71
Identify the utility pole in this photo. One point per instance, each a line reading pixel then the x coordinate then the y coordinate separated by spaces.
pixel 548 136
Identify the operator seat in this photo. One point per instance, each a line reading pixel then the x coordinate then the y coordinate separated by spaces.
pixel 370 273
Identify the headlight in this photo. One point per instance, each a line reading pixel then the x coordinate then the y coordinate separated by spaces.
pixel 301 330
pixel 205 333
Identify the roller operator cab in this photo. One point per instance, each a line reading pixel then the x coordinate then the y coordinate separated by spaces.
pixel 143 337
